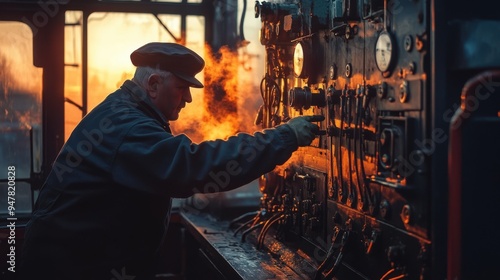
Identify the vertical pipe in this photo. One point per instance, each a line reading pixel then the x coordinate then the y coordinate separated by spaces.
pixel 183 26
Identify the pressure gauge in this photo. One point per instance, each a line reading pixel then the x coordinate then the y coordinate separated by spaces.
pixel 300 60
pixel 333 72
pixel 384 51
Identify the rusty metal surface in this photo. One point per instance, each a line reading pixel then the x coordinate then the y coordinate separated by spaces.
pixel 242 260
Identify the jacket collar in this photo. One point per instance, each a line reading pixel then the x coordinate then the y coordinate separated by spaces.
pixel 140 97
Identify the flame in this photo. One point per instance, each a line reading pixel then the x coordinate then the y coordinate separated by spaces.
pixel 212 116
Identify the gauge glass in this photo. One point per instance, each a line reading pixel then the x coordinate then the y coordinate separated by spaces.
pixel 298 60
pixel 383 51
pixel 332 72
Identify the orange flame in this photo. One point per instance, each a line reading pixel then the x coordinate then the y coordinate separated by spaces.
pixel 221 115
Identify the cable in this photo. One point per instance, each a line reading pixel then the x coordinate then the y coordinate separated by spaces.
pixel 334 158
pixel 242 20
pixel 276 97
pixel 252 221
pixel 387 274
pixel 265 229
pixel 401 276
pixel 252 228
pixel 344 242
pixel 349 139
pixel 261 89
pixel 243 216
pixel 333 270
pixel 338 261
pixel 328 257
pixel 271 95
pixel 341 171
pixel 357 157
pixel 367 99
pixel 244 225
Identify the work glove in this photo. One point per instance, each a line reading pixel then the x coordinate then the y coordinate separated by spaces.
pixel 304 130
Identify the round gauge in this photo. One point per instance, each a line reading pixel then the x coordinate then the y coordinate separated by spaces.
pixel 333 72
pixel 384 52
pixel 299 60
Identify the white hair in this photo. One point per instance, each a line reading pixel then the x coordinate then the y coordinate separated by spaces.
pixel 142 74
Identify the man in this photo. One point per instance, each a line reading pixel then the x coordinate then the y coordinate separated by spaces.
pixel 104 208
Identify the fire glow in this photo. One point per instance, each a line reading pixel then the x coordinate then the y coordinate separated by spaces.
pixel 204 119
pixel 235 113
pixel 20 81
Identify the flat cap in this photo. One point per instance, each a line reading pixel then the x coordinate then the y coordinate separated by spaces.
pixel 175 58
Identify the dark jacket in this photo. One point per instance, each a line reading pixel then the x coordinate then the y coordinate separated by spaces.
pixel 104 207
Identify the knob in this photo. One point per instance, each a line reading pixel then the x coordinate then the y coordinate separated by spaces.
pixel 303 98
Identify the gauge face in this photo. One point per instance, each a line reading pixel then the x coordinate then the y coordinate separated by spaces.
pixel 298 60
pixel 384 51
pixel 332 72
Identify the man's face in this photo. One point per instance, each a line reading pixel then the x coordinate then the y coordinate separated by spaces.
pixel 170 95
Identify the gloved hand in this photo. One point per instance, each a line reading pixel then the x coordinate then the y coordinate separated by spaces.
pixel 305 131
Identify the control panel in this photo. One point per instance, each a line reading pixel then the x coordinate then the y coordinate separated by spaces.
pixel 360 192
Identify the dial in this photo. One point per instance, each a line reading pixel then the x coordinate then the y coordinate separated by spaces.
pixel 333 72
pixel 384 51
pixel 299 60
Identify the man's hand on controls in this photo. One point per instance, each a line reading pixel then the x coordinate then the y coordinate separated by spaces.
pixel 304 129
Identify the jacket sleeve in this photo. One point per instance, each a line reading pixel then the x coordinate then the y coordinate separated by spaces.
pixel 153 161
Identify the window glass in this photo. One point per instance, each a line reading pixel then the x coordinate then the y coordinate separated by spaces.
pixel 112 38
pixel 20 114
